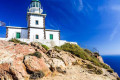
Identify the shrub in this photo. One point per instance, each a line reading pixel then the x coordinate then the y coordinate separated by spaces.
pixel 76 50
pixel 17 41
pixel 99 71
pixel 110 70
pixel 44 46
pixel 81 53
pixel 89 66
pixel 96 53
pixel 37 75
pixel 118 78
pixel 88 51
pixel 37 54
pixel 14 40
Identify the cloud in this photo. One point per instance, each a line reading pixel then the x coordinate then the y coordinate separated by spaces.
pixel 115 7
pixel 115 31
pixel 78 4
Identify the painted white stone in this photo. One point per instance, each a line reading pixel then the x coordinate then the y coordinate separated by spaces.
pixel 33 19
pixel 35 31
pixel 55 35
pixel 12 33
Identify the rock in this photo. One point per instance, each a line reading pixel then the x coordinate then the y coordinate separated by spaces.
pixel 66 57
pixel 4 68
pixel 35 64
pixel 56 62
pixel 18 69
pixel 100 59
pixel 38 46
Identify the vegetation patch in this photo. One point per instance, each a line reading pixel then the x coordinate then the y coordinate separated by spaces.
pixel 99 71
pixel 37 54
pixel 89 66
pixel 37 75
pixel 45 47
pixel 82 53
pixel 17 41
pixel 110 70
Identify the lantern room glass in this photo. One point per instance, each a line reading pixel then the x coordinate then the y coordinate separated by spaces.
pixel 35 4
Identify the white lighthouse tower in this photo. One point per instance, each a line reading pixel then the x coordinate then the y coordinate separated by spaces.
pixel 36 21
pixel 35 31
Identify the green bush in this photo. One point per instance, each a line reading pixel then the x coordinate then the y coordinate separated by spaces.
pixel 110 70
pixel 44 46
pixel 99 71
pixel 37 75
pixel 89 66
pixel 81 53
pixel 88 51
pixel 96 53
pixel 37 54
pixel 118 78
pixel 17 41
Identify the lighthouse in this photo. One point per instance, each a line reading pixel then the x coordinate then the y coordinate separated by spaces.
pixel 35 29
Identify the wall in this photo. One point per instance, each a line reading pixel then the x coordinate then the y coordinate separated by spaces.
pixel 34 32
pixel 12 32
pixel 33 18
pixel 49 43
pixel 55 35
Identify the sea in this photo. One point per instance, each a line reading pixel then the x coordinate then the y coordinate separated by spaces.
pixel 113 61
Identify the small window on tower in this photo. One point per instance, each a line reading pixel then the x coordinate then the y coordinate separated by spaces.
pixel 36 22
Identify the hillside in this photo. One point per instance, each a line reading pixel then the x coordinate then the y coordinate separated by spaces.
pixel 35 61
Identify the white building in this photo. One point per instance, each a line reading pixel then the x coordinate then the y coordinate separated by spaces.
pixel 35 31
pixel 36 26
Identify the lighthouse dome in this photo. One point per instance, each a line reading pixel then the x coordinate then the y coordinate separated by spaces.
pixel 35 0
pixel 35 7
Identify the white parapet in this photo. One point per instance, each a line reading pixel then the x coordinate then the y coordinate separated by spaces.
pixel 49 43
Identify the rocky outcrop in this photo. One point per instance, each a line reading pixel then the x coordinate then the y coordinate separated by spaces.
pixel 35 64
pixel 66 57
pixel 18 63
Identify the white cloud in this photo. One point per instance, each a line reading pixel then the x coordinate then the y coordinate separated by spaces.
pixel 115 7
pixel 115 32
pixel 78 4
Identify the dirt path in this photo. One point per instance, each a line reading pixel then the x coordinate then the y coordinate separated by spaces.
pixel 77 73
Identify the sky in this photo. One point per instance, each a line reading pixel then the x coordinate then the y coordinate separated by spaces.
pixel 90 23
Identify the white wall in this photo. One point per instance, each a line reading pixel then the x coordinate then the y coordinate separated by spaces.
pixel 49 43
pixel 34 32
pixel 55 35
pixel 12 33
pixel 33 19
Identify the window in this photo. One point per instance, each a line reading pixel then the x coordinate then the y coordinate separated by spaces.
pixel 36 22
pixel 51 36
pixel 37 4
pixel 33 4
pixel 17 35
pixel 37 36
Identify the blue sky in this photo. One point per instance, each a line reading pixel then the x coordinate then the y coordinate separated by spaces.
pixel 91 23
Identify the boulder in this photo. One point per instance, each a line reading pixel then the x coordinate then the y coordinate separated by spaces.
pixel 18 69
pixel 38 46
pixel 66 57
pixel 100 59
pixel 35 64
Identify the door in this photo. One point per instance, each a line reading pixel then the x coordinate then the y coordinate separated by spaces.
pixel 17 35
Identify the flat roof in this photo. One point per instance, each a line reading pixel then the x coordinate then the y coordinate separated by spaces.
pixel 52 30
pixel 17 27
